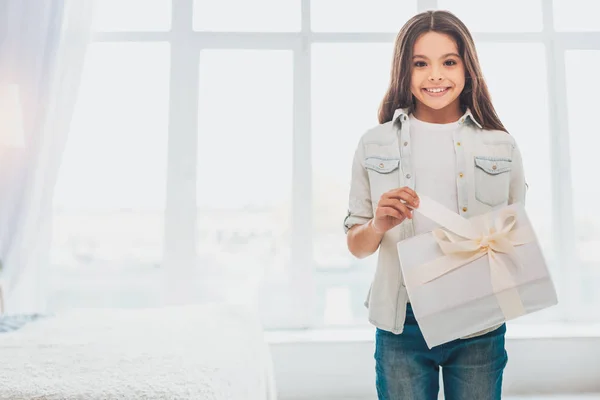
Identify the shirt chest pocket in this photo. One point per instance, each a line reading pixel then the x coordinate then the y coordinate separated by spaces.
pixel 384 175
pixel 492 179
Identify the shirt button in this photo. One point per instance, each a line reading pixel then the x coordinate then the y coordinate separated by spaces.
pixel 405 143
pixel 464 209
pixel 494 167
pixel 407 176
pixel 462 120
pixel 461 174
pixel 381 165
pixel 458 143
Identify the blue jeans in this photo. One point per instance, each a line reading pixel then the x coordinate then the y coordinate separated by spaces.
pixel 407 370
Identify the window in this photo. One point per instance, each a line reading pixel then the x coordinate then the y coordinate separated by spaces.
pixel 497 16
pixel 586 191
pixel 245 176
pixel 576 15
pixel 247 16
pixel 222 143
pixel 110 196
pixel 348 82
pixel 132 15
pixel 360 16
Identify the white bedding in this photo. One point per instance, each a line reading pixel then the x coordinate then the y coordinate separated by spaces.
pixel 213 352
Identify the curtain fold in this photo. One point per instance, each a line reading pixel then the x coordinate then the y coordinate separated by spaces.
pixel 42 51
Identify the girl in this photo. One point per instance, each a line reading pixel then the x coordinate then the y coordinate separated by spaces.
pixel 439 135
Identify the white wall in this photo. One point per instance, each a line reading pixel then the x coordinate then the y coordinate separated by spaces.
pixel 325 368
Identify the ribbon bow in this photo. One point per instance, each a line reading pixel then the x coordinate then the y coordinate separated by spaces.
pixel 464 241
pixel 501 238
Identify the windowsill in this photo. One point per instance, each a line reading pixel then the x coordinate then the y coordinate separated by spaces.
pixel 325 335
pixel 367 334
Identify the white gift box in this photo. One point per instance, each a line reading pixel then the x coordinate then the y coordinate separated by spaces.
pixel 473 274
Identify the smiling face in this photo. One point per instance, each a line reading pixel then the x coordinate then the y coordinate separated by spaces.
pixel 438 78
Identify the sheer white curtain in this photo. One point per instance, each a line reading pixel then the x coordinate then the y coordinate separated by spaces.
pixel 42 51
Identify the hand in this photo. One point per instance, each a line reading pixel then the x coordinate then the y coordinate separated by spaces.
pixel 393 208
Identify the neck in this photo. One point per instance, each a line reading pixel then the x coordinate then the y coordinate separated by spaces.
pixel 446 115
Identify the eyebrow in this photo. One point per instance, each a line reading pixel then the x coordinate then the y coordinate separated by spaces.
pixel 444 56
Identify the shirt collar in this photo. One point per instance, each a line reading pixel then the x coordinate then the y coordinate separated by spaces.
pixel 402 112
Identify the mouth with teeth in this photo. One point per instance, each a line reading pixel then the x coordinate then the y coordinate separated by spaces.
pixel 436 92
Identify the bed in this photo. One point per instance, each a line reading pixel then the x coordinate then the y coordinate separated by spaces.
pixel 211 351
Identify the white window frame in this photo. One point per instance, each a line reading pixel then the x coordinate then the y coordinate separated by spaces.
pixel 180 229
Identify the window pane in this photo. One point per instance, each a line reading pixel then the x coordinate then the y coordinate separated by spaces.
pixel 497 16
pixel 244 177
pixel 247 16
pixel 584 144
pixel 360 16
pixel 576 15
pixel 109 199
pixel 348 82
pixel 526 119
pixel 132 15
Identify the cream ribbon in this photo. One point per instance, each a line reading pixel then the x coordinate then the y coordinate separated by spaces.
pixel 466 242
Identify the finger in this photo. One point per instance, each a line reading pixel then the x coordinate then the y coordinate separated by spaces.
pixel 413 195
pixel 397 205
pixel 405 210
pixel 411 192
pixel 402 194
pixel 390 211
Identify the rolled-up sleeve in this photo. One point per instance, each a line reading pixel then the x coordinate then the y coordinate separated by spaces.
pixel 360 209
pixel 518 185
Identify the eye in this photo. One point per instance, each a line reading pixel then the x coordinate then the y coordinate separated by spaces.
pixel 449 63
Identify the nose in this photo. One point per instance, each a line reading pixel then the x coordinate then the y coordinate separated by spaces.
pixel 435 74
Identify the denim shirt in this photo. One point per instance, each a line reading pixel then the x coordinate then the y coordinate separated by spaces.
pixel 490 176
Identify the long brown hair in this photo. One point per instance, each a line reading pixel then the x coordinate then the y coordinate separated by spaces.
pixel 475 94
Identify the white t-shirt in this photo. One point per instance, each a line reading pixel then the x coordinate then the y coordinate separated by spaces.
pixel 434 167
pixel 434 161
